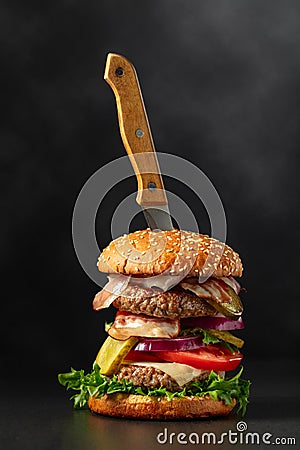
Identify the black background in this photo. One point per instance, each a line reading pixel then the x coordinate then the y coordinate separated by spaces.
pixel 221 83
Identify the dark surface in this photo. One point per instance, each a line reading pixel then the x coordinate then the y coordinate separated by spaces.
pixel 44 419
pixel 221 86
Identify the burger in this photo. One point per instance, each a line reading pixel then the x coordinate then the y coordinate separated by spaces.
pixel 170 352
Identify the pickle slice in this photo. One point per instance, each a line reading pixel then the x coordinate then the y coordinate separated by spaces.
pixel 112 353
pixel 232 309
pixel 227 337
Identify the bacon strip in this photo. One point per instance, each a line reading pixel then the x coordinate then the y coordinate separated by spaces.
pixel 232 283
pixel 110 292
pixel 214 289
pixel 129 324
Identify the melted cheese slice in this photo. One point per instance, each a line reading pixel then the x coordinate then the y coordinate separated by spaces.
pixel 162 282
pixel 181 373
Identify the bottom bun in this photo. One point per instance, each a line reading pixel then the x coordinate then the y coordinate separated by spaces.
pixel 142 407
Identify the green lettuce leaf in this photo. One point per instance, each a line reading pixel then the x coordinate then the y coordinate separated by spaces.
pixel 95 384
pixel 107 326
pixel 208 338
pixel 224 389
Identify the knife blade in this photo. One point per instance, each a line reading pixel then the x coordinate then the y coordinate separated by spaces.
pixel 136 135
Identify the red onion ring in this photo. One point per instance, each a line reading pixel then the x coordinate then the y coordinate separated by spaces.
pixel 176 344
pixel 214 323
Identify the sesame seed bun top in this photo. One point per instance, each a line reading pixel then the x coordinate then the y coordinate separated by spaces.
pixel 148 253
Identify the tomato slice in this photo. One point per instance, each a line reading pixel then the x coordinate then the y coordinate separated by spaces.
pixel 209 357
pixel 137 355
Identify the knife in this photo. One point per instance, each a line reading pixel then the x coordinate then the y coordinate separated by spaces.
pixel 136 135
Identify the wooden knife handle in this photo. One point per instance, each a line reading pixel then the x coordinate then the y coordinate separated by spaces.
pixel 135 130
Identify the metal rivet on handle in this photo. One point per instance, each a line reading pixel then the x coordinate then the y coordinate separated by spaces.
pixel 139 133
pixel 119 72
pixel 151 186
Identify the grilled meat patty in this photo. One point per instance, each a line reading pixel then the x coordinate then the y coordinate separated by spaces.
pixel 174 304
pixel 150 377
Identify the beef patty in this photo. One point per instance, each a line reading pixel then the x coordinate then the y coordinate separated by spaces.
pixel 175 303
pixel 149 377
